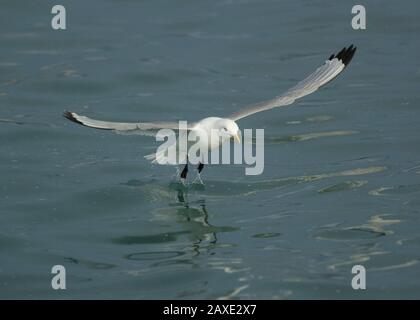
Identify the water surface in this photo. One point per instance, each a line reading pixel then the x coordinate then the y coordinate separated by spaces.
pixel 341 183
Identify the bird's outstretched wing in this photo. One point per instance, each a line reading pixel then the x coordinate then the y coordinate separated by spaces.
pixel 121 126
pixel 324 74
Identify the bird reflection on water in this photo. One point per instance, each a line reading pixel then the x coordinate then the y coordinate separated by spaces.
pixel 201 222
pixel 192 221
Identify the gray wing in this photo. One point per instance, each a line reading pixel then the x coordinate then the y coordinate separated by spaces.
pixel 324 74
pixel 121 126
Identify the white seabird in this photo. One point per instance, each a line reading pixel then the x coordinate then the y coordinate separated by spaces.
pixel 332 67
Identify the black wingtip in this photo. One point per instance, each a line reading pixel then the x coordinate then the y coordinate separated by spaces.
pixel 345 55
pixel 69 115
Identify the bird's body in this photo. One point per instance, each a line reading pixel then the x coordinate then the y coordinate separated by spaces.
pixel 207 134
pixel 320 77
pixel 211 124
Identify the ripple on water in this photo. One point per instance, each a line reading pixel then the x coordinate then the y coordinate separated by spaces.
pixel 310 136
pixel 349 233
pixel 157 191
pixel 154 255
pixel 150 239
pixel 374 228
pixel 410 241
pixel 395 190
pixel 90 264
pixel 378 261
pixel 267 235
pixel 346 185
pixel 387 266
pixel 320 118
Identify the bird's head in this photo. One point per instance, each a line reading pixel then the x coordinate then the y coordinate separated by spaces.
pixel 230 128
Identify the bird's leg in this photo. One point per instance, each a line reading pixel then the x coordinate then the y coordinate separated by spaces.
pixel 185 171
pixel 198 179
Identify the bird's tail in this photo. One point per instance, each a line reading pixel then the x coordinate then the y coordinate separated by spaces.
pixel 161 156
pixel 153 157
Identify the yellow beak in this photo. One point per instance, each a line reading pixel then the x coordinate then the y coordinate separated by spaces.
pixel 237 138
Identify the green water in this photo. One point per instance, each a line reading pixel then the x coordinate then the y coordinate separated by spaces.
pixel 341 183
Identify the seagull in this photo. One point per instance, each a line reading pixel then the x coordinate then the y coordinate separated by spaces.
pixel 331 68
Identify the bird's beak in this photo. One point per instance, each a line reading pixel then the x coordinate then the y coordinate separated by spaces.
pixel 237 138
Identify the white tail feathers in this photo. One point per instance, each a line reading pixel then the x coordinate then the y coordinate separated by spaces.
pixel 161 157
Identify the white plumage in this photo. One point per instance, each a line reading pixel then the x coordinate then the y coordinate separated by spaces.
pixel 320 77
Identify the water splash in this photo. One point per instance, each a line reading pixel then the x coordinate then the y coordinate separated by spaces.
pixel 198 180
